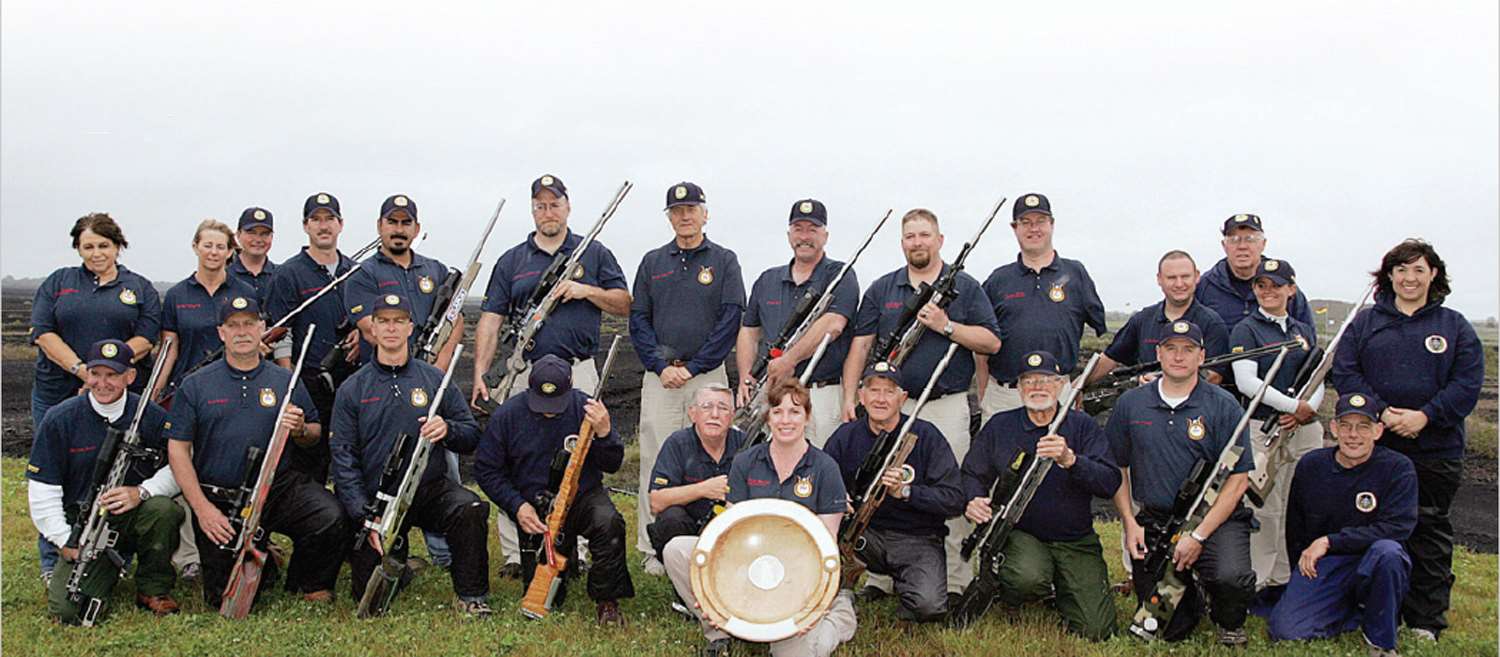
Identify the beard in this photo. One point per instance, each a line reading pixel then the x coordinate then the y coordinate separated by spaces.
pixel 918 259
pixel 1039 405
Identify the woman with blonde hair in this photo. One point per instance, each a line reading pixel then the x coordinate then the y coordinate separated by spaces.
pixel 190 313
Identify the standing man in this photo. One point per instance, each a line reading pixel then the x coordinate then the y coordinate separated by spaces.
pixel 398 269
pixel 774 298
pixel 385 399
pixel 571 332
pixel 296 280
pixel 1228 288
pixel 1135 343
pixel 252 264
pixel 1041 301
pixel 968 321
pixel 688 300
pixel 690 477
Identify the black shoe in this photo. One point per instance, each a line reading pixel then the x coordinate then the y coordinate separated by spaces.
pixel 1234 638
pixel 511 570
pixel 954 599
pixel 870 593
pixel 716 648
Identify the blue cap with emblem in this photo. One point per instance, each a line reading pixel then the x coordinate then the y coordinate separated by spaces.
pixel 685 193
pixel 1030 203
pixel 235 305
pixel 399 203
pixel 1182 329
pixel 809 209
pixel 253 217
pixel 320 201
pixel 1040 361
pixel 390 301
pixel 550 183
pixel 1357 403
pixel 1242 220
pixel 548 387
pixel 1279 272
pixel 114 354
pixel 881 369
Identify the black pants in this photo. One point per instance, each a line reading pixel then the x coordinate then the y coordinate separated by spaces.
pixel 674 521
pixel 593 516
pixel 1222 572
pixel 440 506
pixel 918 568
pixel 314 461
pixel 301 509
pixel 1431 545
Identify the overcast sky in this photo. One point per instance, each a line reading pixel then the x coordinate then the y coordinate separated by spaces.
pixel 1346 126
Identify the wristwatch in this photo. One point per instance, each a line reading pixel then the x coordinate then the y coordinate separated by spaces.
pixel 74 369
pixel 948 329
pixel 1198 537
pixel 145 494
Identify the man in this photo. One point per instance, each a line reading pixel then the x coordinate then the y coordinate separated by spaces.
pixel 571 332
pixel 1275 286
pixel 1227 289
pixel 691 474
pixel 64 457
pixel 296 280
pixel 1041 301
pixel 968 320
pixel 774 298
pixel 223 410
pixel 514 468
pixel 1053 549
pixel 1350 509
pixel 1135 343
pixel 1157 433
pixel 252 265
pixel 688 301
pixel 387 398
pixel 905 538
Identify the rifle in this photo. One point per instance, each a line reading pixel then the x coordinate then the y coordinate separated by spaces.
pixel 551 564
pixel 92 535
pixel 897 345
pixel 449 304
pixel 809 308
pixel 250 559
pixel 384 515
pixel 890 451
pixel 1194 500
pixel 337 358
pixel 756 427
pixel 520 329
pixel 1102 393
pixel 1017 490
pixel 1269 461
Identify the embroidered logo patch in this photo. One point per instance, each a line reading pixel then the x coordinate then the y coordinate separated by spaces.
pixel 400 201
pixel 239 303
pixel 322 198
pixel 549 388
pixel 803 488
pixel 679 193
pixel 1180 327
pixel 1357 401
pixel 127 296
pixel 392 300
pixel 418 397
pixel 426 285
pixel 267 397
pixel 806 207
pixel 547 180
pixel 1032 201
pixel 109 350
pixel 1057 293
pixel 661 481
pixel 706 275
pixel 260 214
pixel 1365 502
pixel 1034 360
pixel 1196 430
pixel 1436 344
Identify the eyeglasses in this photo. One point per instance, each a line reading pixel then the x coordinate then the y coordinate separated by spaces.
pixel 1029 222
pixel 1035 381
pixel 1244 239
pixel 714 407
pixel 1363 429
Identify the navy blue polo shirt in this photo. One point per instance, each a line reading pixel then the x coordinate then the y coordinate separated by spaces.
pixel 682 461
pixel 381 276
pixel 377 404
pixel 296 281
pixel 261 282
pixel 774 297
pixel 223 411
pixel 1234 299
pixel 686 306
pixel 572 331
pixel 1431 361
pixel 935 491
pixel 514 458
pixel 1135 343
pixel 1353 507
pixel 193 314
pixel 815 482
pixel 1259 330
pixel 1062 509
pixel 68 441
pixel 1041 311
pixel 72 304
pixel 880 311
pixel 1161 444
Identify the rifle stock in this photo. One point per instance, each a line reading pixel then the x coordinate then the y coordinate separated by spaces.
pixel 752 418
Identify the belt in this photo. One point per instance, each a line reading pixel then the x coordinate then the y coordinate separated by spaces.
pixel 824 384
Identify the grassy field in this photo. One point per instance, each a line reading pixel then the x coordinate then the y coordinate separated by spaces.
pixel 422 622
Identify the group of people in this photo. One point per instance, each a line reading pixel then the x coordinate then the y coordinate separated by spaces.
pixel 1351 536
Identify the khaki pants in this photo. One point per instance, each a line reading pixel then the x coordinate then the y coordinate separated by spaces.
pixel 836 627
pixel 950 413
pixel 663 411
pixel 1268 557
pixel 585 378
pixel 997 399
pixel 187 546
pixel 827 408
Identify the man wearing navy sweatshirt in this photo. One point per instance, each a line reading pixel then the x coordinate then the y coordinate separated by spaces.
pixel 1053 547
pixel 1349 509
pixel 1423 364
pixel 1228 287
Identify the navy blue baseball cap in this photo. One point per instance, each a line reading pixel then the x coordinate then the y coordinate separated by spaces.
pixel 238 304
pixel 550 183
pixel 1030 203
pixel 1357 403
pixel 685 193
pixel 882 369
pixel 114 354
pixel 1182 329
pixel 390 301
pixel 1246 220
pixel 321 201
pixel 809 209
pixel 549 386
pixel 1040 361
pixel 253 217
pixel 1279 272
pixel 399 202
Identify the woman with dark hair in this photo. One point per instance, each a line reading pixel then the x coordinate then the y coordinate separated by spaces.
pixel 1424 364
pixel 79 306
pixel 190 315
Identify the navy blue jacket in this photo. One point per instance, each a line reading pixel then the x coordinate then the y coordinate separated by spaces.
pixel 377 404
pixel 68 441
pixel 380 276
pixel 1234 299
pixel 296 280
pixel 1158 443
pixel 572 331
pixel 261 282
pixel 774 298
pixel 1041 311
pixel 191 312
pixel 1136 342
pixel 880 311
pixel 686 306
pixel 223 411
pixel 1353 507
pixel 73 305
pixel 1062 507
pixel 682 461
pixel 1432 362
pixel 936 494
pixel 514 460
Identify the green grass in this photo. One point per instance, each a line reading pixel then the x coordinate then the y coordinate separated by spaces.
pixel 422 622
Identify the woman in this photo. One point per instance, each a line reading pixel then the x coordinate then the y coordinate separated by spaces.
pixel 190 315
pixel 1424 363
pixel 78 306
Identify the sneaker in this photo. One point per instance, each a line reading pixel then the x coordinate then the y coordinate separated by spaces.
pixel 511 570
pixel 321 596
pixel 1376 651
pixel 473 608
pixel 46 580
pixel 680 606
pixel 1424 634
pixel 608 613
pixel 653 566
pixel 416 564
pixel 191 572
pixel 1235 637
pixel 716 648
pixel 870 593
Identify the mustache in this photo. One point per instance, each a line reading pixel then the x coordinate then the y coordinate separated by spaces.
pixel 801 243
